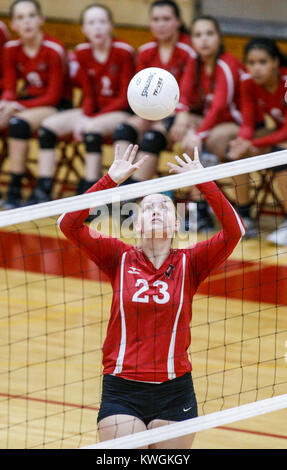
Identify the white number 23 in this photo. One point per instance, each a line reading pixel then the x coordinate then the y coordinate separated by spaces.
pixel 139 295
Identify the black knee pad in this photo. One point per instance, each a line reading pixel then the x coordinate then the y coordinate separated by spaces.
pixel 93 142
pixel 19 129
pixel 126 132
pixel 47 138
pixel 153 142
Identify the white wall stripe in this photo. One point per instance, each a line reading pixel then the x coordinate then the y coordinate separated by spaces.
pixel 122 350
pixel 170 359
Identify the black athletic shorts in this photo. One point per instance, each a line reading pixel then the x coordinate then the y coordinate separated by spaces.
pixel 173 400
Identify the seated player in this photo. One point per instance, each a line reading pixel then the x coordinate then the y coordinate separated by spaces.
pixel 170 50
pixel 37 64
pixel 106 67
pixel 263 93
pixel 147 379
pixel 208 115
pixel 4 37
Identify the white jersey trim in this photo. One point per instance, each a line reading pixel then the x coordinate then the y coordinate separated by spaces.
pixel 187 48
pixel 121 354
pixel 53 45
pixel 123 45
pixel 13 43
pixel 170 358
pixel 148 45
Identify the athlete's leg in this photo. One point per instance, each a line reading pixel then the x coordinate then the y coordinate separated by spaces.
pixel 130 131
pixel 61 124
pixel 118 426
pixel 182 442
pixel 94 129
pixel 153 142
pixel 21 128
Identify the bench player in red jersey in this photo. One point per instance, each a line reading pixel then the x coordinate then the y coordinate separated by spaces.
pixel 34 75
pixel 208 115
pixel 170 50
pixel 106 65
pixel 4 37
pixel 147 372
pixel 263 93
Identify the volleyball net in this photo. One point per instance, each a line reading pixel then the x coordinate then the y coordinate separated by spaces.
pixel 55 306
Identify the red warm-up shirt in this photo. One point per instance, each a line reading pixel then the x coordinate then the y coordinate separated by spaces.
pixel 44 75
pixel 256 102
pixel 148 333
pixel 149 56
pixel 4 37
pixel 105 84
pixel 216 96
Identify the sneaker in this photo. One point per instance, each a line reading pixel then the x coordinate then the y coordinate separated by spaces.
pixel 13 199
pixel 279 236
pixel 251 231
pixel 37 197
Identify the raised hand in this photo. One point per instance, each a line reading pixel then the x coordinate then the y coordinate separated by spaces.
pixel 187 164
pixel 123 165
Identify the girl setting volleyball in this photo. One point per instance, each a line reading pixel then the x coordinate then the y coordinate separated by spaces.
pixel 147 373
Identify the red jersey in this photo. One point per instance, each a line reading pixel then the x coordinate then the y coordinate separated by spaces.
pixel 148 333
pixel 4 37
pixel 256 102
pixel 43 75
pixel 106 83
pixel 216 96
pixel 149 56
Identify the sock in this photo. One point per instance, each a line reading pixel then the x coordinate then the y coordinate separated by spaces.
pixel 15 183
pixel 45 184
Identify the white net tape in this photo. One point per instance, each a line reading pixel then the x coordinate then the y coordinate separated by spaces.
pixel 123 193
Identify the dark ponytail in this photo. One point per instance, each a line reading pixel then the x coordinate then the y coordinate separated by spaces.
pixel 176 10
pixel 269 46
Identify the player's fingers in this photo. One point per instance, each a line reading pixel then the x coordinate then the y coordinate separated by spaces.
pixel 179 160
pixel 187 158
pixel 133 153
pixel 117 151
pixel 174 168
pixel 127 153
pixel 195 154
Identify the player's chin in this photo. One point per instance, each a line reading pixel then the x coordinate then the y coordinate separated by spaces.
pixel 158 232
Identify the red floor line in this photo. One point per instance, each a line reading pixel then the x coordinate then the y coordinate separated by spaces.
pixel 50 402
pixel 95 408
pixel 248 431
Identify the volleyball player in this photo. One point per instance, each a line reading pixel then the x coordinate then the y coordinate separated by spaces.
pixel 208 114
pixel 170 50
pixel 106 67
pixel 147 373
pixel 38 64
pixel 4 37
pixel 263 93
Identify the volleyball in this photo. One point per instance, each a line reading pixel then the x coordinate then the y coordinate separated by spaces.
pixel 153 93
